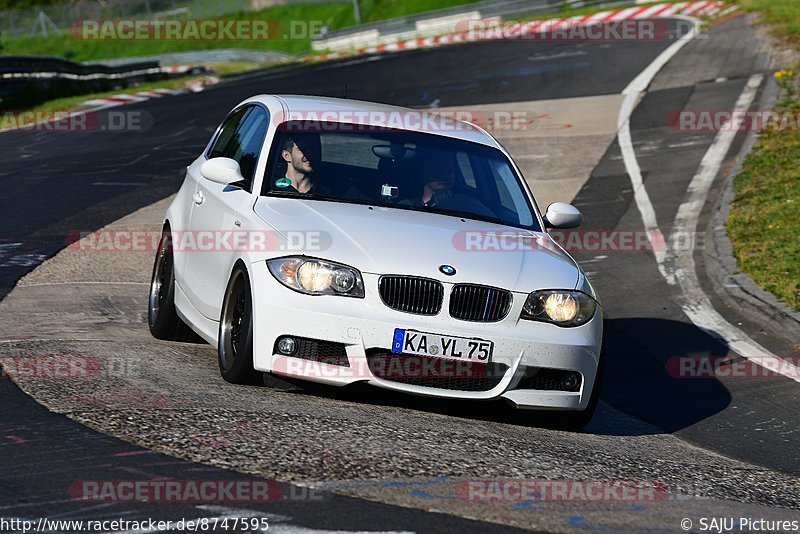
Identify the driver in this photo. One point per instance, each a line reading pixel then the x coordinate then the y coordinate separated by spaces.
pixel 439 176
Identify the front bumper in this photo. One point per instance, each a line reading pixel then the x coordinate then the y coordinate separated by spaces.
pixel 364 325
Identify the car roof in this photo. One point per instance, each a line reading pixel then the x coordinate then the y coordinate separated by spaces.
pixel 343 110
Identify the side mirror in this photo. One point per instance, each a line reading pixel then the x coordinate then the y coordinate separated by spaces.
pixel 563 216
pixel 222 171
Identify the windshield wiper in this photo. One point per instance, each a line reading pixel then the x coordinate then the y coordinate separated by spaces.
pixel 309 196
pixel 468 215
pixel 421 209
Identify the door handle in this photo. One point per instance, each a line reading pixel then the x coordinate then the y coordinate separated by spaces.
pixel 198 197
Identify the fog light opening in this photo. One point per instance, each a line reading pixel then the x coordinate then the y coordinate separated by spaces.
pixel 571 381
pixel 287 346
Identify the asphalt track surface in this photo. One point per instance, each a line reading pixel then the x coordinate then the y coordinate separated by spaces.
pixel 56 183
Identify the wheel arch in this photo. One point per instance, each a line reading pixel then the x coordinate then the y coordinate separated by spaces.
pixel 239 265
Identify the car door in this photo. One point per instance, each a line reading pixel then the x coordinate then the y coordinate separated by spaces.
pixel 216 207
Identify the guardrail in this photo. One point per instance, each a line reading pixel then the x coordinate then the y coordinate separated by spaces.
pixel 27 80
pixel 19 65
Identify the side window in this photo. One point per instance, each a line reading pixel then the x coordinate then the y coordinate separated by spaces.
pixel 241 139
pixel 226 137
pixel 251 137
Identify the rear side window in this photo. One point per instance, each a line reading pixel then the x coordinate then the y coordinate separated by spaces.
pixel 240 139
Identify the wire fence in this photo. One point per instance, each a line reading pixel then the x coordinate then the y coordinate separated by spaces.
pixel 47 20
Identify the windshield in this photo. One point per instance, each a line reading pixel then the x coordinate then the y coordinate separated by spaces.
pixel 400 169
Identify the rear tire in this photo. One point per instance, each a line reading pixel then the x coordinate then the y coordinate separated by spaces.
pixel 162 317
pixel 235 346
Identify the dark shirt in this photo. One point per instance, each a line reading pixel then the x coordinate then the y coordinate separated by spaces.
pixel 316 189
pixel 439 198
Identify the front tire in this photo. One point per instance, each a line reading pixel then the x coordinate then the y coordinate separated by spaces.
pixel 235 346
pixel 162 317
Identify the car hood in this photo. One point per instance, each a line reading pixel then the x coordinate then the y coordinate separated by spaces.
pixel 381 240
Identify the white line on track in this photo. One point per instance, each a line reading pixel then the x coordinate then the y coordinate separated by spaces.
pixel 678 267
pixel 632 94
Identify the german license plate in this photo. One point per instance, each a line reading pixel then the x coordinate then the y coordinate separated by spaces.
pixel 441 346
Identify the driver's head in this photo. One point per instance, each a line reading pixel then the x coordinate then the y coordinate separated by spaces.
pixel 301 151
pixel 438 170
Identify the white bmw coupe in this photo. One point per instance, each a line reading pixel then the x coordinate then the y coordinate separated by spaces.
pixel 341 241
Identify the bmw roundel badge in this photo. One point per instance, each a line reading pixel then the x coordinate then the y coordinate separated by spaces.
pixel 449 270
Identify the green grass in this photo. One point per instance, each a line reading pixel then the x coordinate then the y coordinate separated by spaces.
pixel 335 15
pixel 764 221
pixel 783 16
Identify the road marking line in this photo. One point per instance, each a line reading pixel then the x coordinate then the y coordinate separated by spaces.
pixel 727 11
pixel 632 93
pixel 681 269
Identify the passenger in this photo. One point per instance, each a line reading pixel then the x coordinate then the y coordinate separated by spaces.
pixel 301 153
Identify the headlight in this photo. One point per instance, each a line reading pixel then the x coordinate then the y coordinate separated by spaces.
pixel 560 307
pixel 317 277
pixel 585 286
